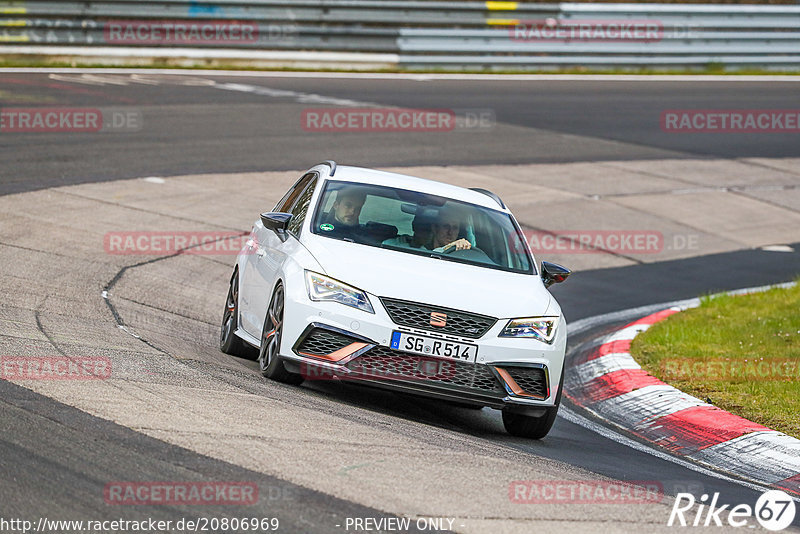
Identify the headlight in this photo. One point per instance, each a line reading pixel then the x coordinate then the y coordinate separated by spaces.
pixel 323 288
pixel 541 328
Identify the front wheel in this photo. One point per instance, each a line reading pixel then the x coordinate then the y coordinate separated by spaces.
pixel 269 360
pixel 527 426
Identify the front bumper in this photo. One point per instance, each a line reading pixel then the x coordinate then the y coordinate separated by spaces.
pixel 329 341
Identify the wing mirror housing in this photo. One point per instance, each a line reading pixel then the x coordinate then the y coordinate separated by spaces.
pixel 276 221
pixel 553 273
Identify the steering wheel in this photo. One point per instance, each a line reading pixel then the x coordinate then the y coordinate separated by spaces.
pixel 473 254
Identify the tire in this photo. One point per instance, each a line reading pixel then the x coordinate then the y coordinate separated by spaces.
pixel 230 343
pixel 269 360
pixel 526 426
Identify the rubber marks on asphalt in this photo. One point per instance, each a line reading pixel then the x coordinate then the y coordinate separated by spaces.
pixel 606 380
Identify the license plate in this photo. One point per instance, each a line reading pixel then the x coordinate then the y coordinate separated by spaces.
pixel 432 346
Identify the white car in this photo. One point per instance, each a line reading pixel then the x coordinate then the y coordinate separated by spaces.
pixel 405 284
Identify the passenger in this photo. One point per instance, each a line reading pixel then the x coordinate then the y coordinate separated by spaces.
pixel 421 237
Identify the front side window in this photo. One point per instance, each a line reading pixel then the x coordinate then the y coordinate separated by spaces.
pixel 290 197
pixel 417 223
pixel 301 208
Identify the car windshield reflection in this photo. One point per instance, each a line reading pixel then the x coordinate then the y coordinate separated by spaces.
pixel 418 223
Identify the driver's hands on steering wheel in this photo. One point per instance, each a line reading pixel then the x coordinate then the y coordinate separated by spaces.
pixel 458 244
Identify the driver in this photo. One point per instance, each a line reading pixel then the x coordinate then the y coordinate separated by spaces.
pixel 342 220
pixel 445 232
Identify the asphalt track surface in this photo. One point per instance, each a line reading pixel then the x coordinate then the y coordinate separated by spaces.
pixel 229 127
pixel 47 446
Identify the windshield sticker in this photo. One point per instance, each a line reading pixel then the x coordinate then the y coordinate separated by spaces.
pixel 326 227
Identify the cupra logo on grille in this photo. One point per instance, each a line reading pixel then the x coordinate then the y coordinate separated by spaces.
pixel 438 319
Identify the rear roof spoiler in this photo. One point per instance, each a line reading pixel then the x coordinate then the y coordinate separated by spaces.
pixel 330 163
pixel 488 194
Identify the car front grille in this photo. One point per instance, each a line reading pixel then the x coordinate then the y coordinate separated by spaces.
pixel 385 363
pixel 321 342
pixel 457 322
pixel 531 379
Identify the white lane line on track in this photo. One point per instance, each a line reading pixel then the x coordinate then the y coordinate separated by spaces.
pixel 260 90
pixel 128 331
pixel 415 76
pixel 297 96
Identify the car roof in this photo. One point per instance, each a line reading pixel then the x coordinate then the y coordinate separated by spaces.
pixel 346 173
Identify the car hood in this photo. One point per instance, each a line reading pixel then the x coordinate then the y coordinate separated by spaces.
pixel 393 274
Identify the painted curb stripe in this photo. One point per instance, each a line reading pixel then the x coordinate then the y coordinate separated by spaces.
pixel 618 347
pixel 640 408
pixel 770 456
pixel 628 333
pixel 791 484
pixel 653 318
pixel 606 380
pixel 699 427
pixel 615 361
pixel 617 383
pixel 620 341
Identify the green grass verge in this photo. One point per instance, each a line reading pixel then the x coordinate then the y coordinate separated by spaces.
pixel 741 353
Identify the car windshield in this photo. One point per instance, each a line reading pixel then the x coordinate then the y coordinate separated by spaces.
pixel 421 224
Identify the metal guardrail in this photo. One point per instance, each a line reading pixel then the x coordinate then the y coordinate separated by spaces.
pixel 428 34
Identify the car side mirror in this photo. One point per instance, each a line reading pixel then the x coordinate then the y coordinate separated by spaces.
pixel 276 221
pixel 553 273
